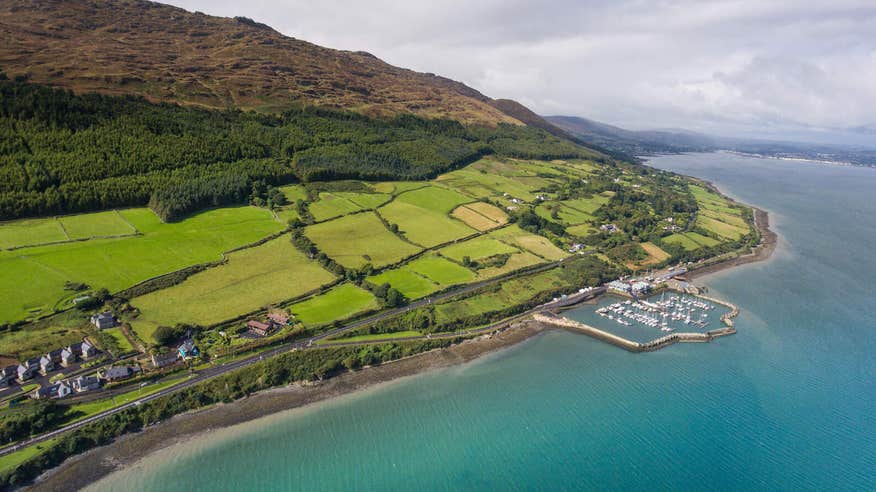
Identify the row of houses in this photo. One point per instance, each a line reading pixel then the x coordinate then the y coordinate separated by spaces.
pixel 63 389
pixel 81 384
pixel 49 362
pixel 275 322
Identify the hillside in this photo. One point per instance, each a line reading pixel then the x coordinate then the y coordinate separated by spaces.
pixel 165 53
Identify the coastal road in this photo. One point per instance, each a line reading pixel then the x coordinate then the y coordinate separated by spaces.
pixel 221 369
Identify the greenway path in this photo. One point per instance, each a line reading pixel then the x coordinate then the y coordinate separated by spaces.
pixel 306 344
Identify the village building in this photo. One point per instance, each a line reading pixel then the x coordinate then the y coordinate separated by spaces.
pixel 47 365
pixel 85 383
pixel 619 286
pixel 164 360
pixel 120 373
pixel 188 349
pixel 609 228
pixel 279 319
pixel 640 287
pixel 87 350
pixel 258 328
pixel 7 374
pixel 27 368
pixel 576 248
pixel 55 391
pixel 70 354
pixel 104 320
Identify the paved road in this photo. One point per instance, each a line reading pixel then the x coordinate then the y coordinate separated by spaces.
pixel 218 370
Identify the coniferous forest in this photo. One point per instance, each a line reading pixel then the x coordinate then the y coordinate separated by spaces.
pixel 62 153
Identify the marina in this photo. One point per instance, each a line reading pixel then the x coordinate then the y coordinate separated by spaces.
pixel 648 318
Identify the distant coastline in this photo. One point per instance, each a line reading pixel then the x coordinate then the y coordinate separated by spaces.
pixel 87 468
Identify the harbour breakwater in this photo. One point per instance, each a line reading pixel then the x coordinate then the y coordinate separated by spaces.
pixel 629 345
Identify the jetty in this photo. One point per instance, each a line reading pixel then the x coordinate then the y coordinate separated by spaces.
pixel 629 345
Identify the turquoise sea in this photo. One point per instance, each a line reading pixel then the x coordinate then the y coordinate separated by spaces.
pixel 789 403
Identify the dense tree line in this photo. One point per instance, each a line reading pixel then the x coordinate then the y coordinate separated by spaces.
pixel 61 152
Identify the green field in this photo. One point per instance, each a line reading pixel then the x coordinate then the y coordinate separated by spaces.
pixel 375 337
pixel 97 224
pixel 434 198
pixel 38 338
pixel 424 275
pixel 424 226
pixel 409 283
pixel 712 201
pixel 441 270
pixel 30 232
pixel 582 230
pixel 251 279
pixel 511 292
pixel 330 206
pixel 358 239
pixel 722 229
pixel 690 240
pixel 336 204
pixel 515 262
pixel 339 303
pixel 682 240
pixel 294 193
pixel 119 263
pixel 477 249
pixel 121 340
pixel 34 232
pixel 539 245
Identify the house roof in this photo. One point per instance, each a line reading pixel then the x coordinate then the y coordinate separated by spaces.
pixel 279 318
pixel 257 324
pixel 118 372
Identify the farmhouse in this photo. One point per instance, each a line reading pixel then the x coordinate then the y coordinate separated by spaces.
pixel 609 228
pixel 258 328
pixel 55 391
pixel 85 383
pixel 103 320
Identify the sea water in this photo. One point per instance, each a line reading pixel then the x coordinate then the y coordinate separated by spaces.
pixel 788 403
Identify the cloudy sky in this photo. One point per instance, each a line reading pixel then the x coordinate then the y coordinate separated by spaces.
pixel 784 69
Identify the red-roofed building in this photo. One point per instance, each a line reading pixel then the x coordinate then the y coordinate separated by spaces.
pixel 259 328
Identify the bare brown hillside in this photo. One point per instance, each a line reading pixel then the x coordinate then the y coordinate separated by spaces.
pixel 166 53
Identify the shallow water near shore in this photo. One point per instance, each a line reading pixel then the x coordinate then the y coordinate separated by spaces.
pixel 788 403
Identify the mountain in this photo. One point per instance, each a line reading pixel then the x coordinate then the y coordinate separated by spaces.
pixel 613 139
pixel 168 54
pixel 633 142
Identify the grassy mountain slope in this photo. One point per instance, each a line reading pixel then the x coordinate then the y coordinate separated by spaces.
pixel 165 53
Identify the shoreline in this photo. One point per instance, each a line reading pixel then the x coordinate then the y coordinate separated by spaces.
pixel 87 468
pixel 762 252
